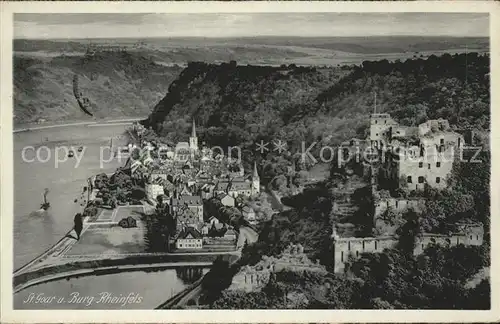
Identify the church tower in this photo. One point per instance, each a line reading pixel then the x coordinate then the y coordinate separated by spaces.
pixel 255 180
pixel 193 140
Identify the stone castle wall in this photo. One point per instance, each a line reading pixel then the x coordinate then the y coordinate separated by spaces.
pixel 256 277
pixel 354 246
pixel 396 204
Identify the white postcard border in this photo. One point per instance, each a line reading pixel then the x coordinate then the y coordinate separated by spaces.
pixel 8 315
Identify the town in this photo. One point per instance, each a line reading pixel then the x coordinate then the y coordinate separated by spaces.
pixel 180 182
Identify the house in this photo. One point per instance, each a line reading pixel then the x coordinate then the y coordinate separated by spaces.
pixel 249 214
pixel 230 234
pixel 213 220
pixel 186 217
pixel 240 186
pixel 153 190
pixel 182 152
pixel 206 190
pixel 205 229
pixel 194 203
pixel 226 200
pixel 189 238
pixel 159 174
pixel 216 229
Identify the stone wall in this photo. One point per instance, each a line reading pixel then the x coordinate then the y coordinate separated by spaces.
pixel 469 234
pixel 397 204
pixel 249 280
pixel 256 277
pixel 355 246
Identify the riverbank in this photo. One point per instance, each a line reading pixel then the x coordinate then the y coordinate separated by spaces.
pixel 46 125
pixel 104 245
pixel 34 232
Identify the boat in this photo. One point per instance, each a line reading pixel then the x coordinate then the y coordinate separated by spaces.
pixel 45 205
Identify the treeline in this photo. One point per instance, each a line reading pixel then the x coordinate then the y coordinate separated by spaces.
pixel 454 87
pixel 440 278
pixel 242 105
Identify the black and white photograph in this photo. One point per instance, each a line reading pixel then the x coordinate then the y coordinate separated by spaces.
pixel 250 160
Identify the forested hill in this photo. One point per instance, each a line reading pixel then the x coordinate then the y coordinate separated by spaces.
pixel 239 104
pixel 452 87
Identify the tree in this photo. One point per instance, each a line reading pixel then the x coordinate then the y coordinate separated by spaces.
pixel 408 232
pixel 217 279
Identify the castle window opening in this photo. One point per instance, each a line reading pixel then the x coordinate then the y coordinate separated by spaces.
pixel 438 179
pixel 429 166
pixel 342 256
pixel 375 245
pixel 349 246
pixel 420 164
pixel 408 179
pixel 438 164
pixel 376 121
pixel 363 245
pixel 477 237
pixel 385 121
pixel 422 247
pixel 441 141
pixel 420 179
pixel 357 253
pixel 471 237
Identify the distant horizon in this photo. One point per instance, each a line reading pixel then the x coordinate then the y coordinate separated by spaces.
pixel 239 25
pixel 260 36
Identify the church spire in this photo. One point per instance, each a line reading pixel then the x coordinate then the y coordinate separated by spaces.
pixel 193 131
pixel 255 174
pixel 193 140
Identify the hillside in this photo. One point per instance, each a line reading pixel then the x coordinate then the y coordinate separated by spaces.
pixel 359 45
pixel 117 84
pixel 239 105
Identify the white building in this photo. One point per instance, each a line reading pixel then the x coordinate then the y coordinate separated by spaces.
pixel 189 238
pixel 153 190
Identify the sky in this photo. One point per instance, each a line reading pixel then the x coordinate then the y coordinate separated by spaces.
pixel 140 25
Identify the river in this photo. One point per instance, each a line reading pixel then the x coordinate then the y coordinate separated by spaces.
pixel 35 232
pixel 146 290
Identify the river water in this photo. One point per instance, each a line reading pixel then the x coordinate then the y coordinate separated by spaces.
pixel 146 290
pixel 35 232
